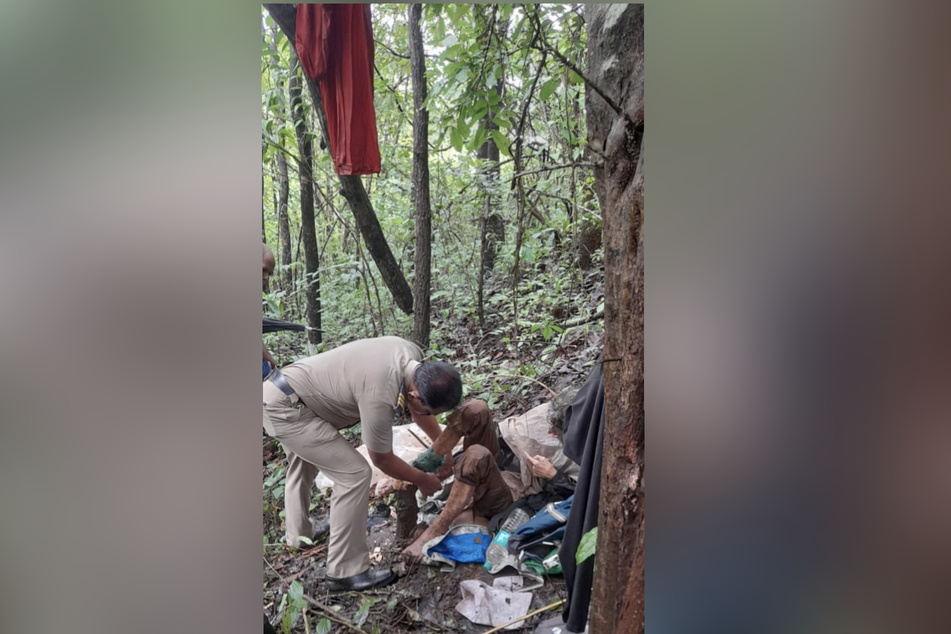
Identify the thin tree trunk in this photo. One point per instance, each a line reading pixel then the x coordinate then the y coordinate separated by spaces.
pixel 351 187
pixel 284 224
pixel 308 229
pixel 618 590
pixel 406 512
pixel 491 226
pixel 421 283
pixel 283 193
pixel 520 202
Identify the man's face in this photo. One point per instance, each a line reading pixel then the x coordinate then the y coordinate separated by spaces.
pixel 417 407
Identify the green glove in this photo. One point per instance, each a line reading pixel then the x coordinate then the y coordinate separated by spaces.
pixel 428 461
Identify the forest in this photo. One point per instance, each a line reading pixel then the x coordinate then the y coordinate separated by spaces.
pixel 482 238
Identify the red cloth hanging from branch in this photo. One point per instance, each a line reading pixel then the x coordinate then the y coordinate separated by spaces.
pixel 335 45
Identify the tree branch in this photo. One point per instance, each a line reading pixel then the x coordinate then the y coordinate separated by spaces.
pixel 551 168
pixel 536 23
pixel 390 50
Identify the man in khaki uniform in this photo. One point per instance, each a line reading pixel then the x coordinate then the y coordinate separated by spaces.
pixel 306 403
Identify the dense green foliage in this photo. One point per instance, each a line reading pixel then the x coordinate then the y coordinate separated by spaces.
pixel 530 325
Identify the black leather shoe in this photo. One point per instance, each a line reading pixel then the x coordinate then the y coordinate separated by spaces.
pixel 321 529
pixel 369 578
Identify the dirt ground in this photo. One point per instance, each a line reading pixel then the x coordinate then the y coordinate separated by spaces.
pixel 423 600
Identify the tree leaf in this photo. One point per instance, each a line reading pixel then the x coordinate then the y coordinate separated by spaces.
pixel 501 141
pixel 323 626
pixel 296 593
pixel 548 88
pixel 586 547
pixel 456 139
pixel 478 139
pixel 478 111
pixel 502 121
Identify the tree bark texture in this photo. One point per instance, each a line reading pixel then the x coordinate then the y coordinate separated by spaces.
pixel 406 512
pixel 283 191
pixel 424 231
pixel 616 66
pixel 491 226
pixel 351 187
pixel 283 222
pixel 308 229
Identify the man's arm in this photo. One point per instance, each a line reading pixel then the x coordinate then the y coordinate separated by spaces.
pixel 428 424
pixel 267 355
pixel 395 467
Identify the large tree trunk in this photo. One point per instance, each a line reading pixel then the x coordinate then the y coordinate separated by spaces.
pixel 285 15
pixel 417 62
pixel 308 229
pixel 616 67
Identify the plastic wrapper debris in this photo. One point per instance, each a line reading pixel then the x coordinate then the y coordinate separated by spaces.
pixel 529 434
pixel 491 605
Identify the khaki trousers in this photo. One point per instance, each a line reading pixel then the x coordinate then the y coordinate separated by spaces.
pixel 311 443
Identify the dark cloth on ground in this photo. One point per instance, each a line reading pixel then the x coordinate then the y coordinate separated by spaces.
pixel 583 439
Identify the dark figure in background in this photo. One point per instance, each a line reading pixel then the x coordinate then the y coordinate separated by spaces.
pixel 268 266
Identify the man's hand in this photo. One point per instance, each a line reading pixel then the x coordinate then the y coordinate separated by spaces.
pixel 414 552
pixel 540 467
pixel 428 484
pixel 445 470
pixel 384 488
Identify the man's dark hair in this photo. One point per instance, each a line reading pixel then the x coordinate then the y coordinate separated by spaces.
pixel 439 384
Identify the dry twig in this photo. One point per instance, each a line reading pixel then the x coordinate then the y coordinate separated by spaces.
pixel 522 618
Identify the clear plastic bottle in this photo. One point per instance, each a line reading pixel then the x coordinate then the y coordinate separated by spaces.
pixel 498 552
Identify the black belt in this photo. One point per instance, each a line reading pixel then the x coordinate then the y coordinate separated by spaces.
pixel 278 379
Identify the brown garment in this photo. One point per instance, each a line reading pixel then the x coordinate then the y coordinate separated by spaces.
pixel 477 465
pixel 477 468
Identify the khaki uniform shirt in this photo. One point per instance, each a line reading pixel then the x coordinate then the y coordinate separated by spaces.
pixel 358 382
